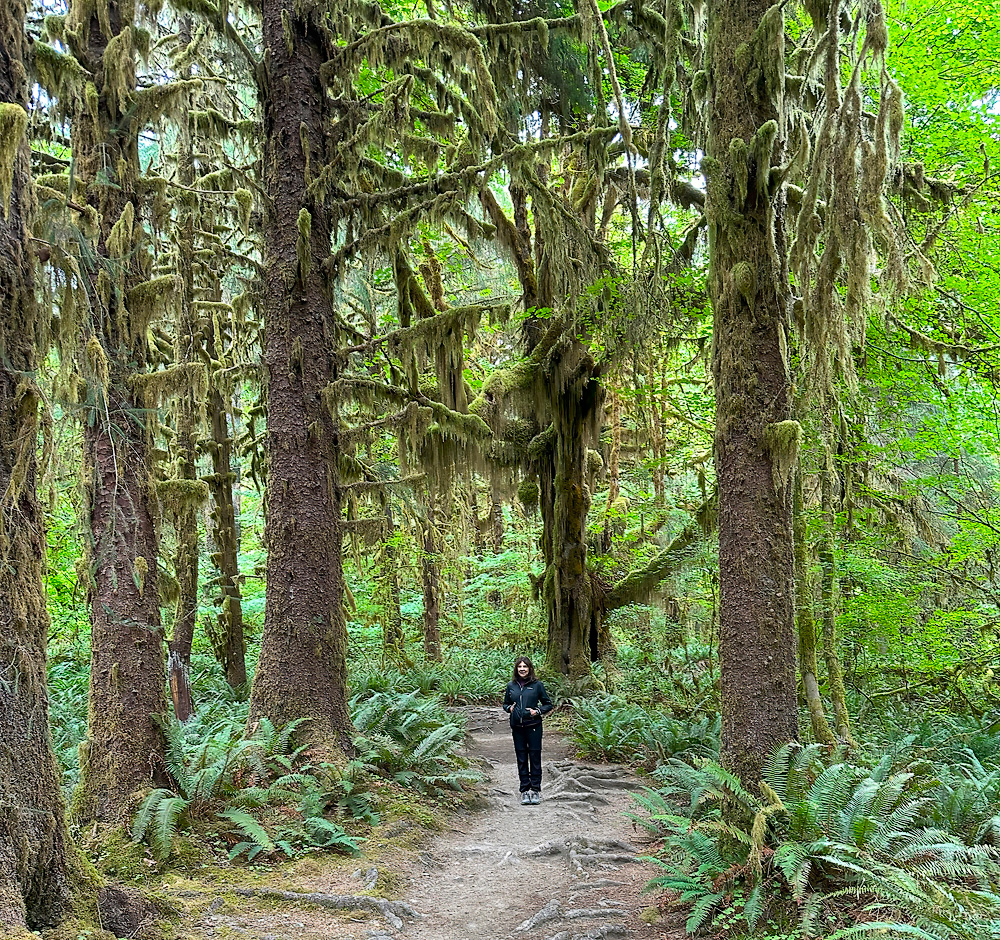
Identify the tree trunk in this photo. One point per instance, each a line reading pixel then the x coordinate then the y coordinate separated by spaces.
pixel 227 633
pixel 431 577
pixel 828 594
pixel 124 751
pixel 567 587
pixel 393 637
pixel 34 879
pixel 807 622
pixel 496 518
pixel 755 442
pixel 613 471
pixel 303 659
pixel 185 510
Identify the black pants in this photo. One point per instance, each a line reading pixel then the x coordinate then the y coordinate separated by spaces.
pixel 528 748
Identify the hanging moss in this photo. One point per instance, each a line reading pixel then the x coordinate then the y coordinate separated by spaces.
pixel 738 166
pixel 179 494
pixel 98 361
pixel 528 493
pixel 118 64
pixel 157 100
pixel 140 568
pixel 781 441
pixel 61 75
pixel 244 200
pixel 155 387
pixel 120 237
pixel 13 124
pixel 761 148
pixel 145 300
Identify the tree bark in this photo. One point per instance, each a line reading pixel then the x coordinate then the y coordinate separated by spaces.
pixel 755 442
pixel 302 671
pixel 34 864
pixel 124 751
pixel 226 634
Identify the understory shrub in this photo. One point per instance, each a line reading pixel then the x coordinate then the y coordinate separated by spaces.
pixel 608 729
pixel 902 848
pixel 410 738
pixel 254 793
pixel 261 796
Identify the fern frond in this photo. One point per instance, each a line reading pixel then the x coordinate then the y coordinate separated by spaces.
pixel 169 812
pixel 250 827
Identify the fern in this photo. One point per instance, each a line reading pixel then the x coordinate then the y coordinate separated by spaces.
pixel 166 821
pixel 250 827
pixel 827 836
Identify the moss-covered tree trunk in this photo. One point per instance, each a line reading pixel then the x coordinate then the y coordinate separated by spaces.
pixel 755 442
pixel 828 596
pixel 430 571
pixel 185 510
pixel 124 751
pixel 303 658
pixel 34 881
pixel 614 459
pixel 806 621
pixel 393 636
pixel 560 455
pixel 228 641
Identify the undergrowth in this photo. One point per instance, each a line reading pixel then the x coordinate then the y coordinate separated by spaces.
pixel 262 797
pixel 904 847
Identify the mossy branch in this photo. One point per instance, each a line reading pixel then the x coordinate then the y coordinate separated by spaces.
pixel 638 585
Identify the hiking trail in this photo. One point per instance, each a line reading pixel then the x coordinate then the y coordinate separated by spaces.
pixel 567 869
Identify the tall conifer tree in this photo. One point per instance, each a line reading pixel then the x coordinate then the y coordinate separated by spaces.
pixel 34 883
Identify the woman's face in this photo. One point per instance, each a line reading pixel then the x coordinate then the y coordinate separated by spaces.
pixel 522 670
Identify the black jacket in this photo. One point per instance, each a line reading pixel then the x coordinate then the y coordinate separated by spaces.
pixel 517 700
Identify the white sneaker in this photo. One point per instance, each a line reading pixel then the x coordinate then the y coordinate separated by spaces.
pixel 526 798
pixel 535 797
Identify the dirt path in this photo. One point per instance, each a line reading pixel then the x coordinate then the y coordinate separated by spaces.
pixel 563 870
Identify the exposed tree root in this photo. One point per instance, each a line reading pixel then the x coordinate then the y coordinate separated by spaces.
pixel 552 912
pixel 392 911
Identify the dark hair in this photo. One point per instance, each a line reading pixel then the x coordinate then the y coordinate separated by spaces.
pixel 531 670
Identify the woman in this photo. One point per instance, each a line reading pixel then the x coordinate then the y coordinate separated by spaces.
pixel 526 701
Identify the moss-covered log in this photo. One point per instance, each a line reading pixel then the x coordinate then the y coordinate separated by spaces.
pixel 636 587
pixel 34 865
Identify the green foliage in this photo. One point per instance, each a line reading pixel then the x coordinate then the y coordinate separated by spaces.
pixel 615 731
pixel 247 790
pixel 411 739
pixel 893 848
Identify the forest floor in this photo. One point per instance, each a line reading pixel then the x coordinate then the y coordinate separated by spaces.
pixel 566 869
